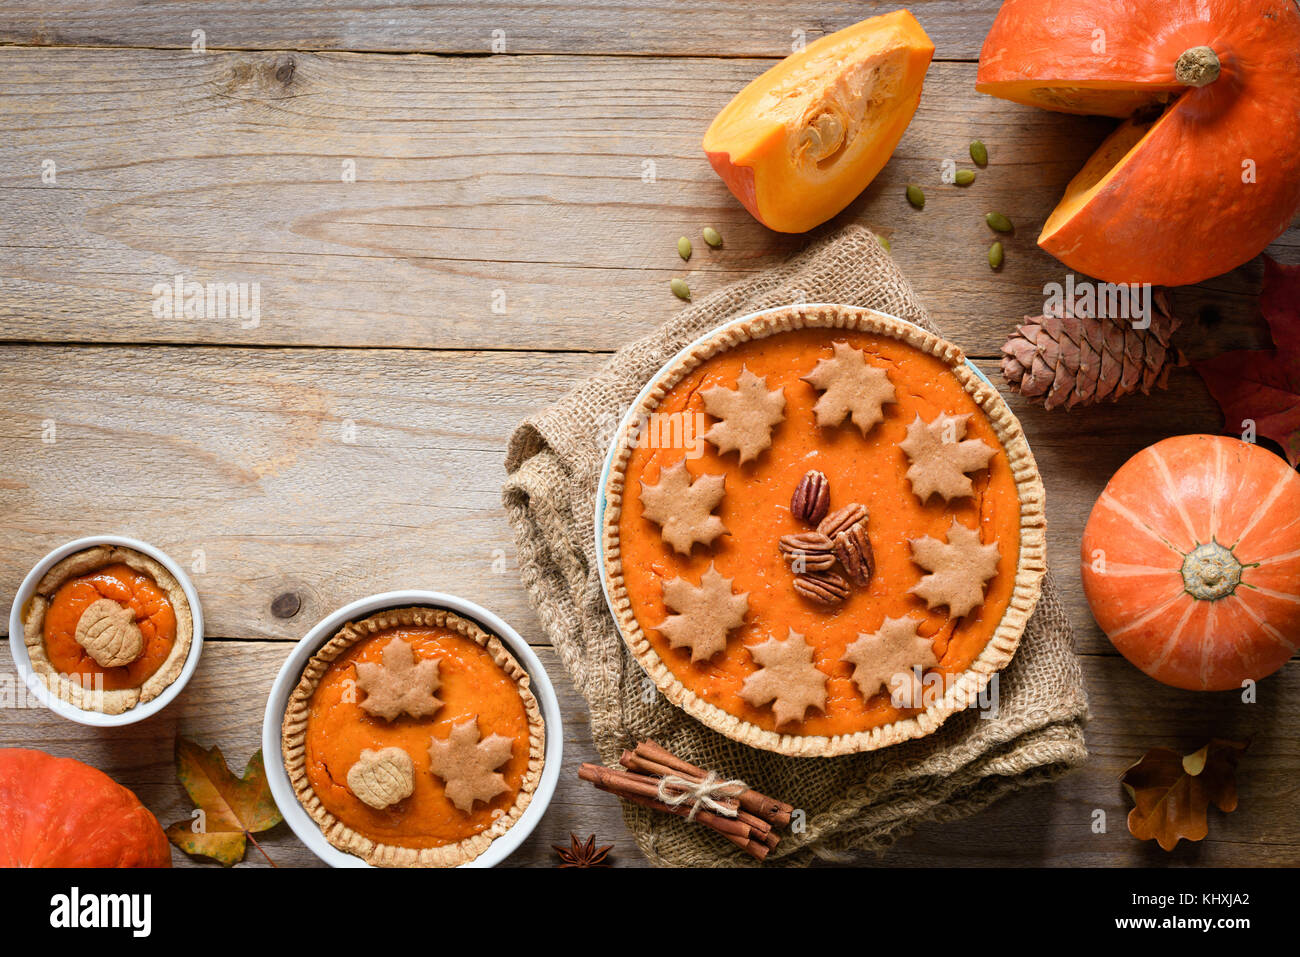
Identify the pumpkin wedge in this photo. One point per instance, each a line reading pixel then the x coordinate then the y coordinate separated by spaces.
pixel 799 143
pixel 1205 172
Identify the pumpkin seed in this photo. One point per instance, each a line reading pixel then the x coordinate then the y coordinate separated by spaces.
pixel 979 153
pixel 964 177
pixel 712 237
pixel 680 289
pixel 684 248
pixel 884 242
pixel 916 197
pixel 998 223
pixel 995 256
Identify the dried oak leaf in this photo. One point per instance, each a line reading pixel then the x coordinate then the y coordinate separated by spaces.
pixel 578 854
pixel 746 415
pixel 400 683
pixel 850 386
pixel 230 809
pixel 941 457
pixel 705 613
pixel 682 508
pixel 786 677
pixel 1261 384
pixel 1172 793
pixel 467 765
pixel 886 658
pixel 959 569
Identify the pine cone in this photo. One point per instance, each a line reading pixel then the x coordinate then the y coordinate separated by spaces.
pixel 1071 360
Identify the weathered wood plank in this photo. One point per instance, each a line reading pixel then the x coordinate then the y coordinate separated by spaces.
pixel 499 201
pixel 1046 826
pixel 661 27
pixel 242 457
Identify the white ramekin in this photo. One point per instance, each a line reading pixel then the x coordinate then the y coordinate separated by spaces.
pixel 300 821
pixel 37 687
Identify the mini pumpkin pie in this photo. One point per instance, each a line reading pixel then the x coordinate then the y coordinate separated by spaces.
pixel 108 628
pixel 823 531
pixel 413 739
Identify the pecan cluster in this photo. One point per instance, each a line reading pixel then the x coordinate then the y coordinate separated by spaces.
pixel 840 539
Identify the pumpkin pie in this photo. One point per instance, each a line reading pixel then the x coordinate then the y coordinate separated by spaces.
pixel 413 739
pixel 823 531
pixel 108 628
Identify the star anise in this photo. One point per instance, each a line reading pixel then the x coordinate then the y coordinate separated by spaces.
pixel 578 854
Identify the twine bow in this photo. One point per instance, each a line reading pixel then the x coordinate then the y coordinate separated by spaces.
pixel 703 794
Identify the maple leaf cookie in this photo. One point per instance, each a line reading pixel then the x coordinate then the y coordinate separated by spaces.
pixel 468 764
pixel 959 569
pixel 850 387
pixel 786 677
pixel 941 457
pixel 400 684
pixel 682 508
pixel 705 614
pixel 887 658
pixel 746 415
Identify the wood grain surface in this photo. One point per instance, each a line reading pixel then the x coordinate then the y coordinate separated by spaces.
pixel 499 202
pixel 512 219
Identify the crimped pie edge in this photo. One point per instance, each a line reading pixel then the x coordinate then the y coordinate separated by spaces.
pixel 293 738
pixel 1031 565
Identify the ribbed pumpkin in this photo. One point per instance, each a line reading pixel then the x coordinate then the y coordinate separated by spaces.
pixel 58 812
pixel 1191 561
pixel 1176 197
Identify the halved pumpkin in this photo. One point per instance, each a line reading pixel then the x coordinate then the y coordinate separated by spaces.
pixel 1177 196
pixel 799 143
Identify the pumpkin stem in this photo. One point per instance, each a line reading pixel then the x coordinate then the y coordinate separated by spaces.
pixel 1198 66
pixel 1210 572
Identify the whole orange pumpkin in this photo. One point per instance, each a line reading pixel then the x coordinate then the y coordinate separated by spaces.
pixel 1205 172
pixel 1191 561
pixel 58 812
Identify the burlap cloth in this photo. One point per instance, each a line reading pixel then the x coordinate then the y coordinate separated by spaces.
pixel 854 803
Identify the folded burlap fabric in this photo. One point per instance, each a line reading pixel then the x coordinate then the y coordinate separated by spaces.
pixel 854 803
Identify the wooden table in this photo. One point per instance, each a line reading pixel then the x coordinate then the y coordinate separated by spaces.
pixel 444 242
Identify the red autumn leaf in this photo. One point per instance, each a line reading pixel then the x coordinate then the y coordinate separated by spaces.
pixel 1172 792
pixel 1264 384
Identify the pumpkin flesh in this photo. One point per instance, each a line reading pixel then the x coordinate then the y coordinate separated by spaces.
pixel 1168 523
pixel 1210 184
pixel 800 142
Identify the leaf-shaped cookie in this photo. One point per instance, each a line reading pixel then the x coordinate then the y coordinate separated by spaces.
pixel 705 614
pixel 468 765
pixel 746 415
pixel 786 677
pixel 401 683
pixel 959 569
pixel 850 386
pixel 682 508
pixel 887 657
pixel 941 457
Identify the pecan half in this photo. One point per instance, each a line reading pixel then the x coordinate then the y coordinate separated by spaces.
pixel 842 519
pixel 812 498
pixel 809 551
pixel 822 588
pixel 853 549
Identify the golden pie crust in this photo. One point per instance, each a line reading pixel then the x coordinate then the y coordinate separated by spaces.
pixel 1029 569
pixel 106 701
pixel 298 712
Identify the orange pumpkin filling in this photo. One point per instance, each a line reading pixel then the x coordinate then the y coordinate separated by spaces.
pixel 131 589
pixel 756 512
pixel 338 730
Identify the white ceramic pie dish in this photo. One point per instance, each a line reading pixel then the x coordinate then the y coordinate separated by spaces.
pixel 301 823
pixel 23 662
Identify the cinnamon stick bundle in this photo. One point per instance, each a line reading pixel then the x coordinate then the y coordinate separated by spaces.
pixel 748 820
